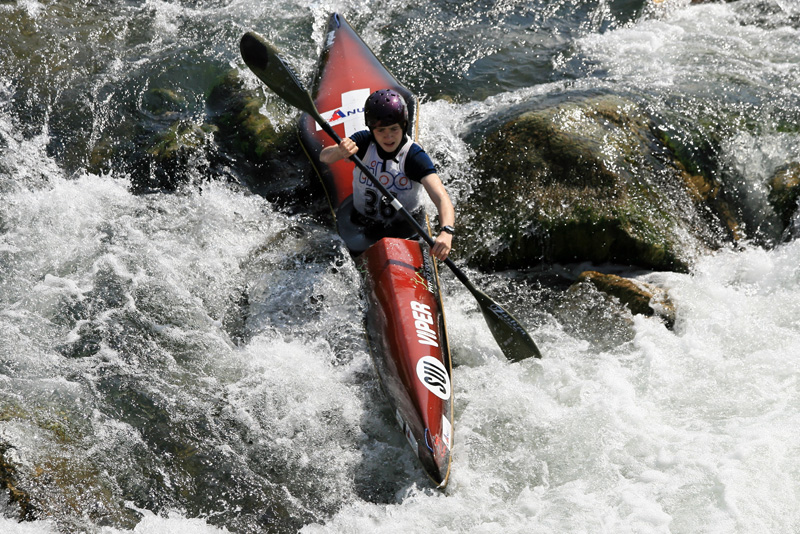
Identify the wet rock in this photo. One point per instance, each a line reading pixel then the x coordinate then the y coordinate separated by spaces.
pixel 164 145
pixel 161 145
pixel 639 297
pixel 271 161
pixel 785 191
pixel 8 484
pixel 237 112
pixel 52 483
pixel 101 157
pixel 177 154
pixel 161 102
pixel 588 179
pixel 584 312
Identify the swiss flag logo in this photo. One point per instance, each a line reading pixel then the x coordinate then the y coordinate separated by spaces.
pixel 351 112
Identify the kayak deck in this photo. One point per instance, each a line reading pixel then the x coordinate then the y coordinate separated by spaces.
pixel 408 342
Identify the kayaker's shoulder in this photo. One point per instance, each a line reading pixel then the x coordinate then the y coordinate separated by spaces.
pixel 361 137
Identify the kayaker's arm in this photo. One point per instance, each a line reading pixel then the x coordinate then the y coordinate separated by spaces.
pixel 447 217
pixel 333 153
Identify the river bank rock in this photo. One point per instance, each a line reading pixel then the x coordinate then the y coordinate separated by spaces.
pixel 587 179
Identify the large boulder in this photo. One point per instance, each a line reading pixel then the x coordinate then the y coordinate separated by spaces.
pixel 163 145
pixel 588 179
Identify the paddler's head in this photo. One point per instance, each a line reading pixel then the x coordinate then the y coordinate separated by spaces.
pixel 386 115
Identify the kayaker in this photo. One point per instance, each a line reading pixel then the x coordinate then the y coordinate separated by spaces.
pixel 401 165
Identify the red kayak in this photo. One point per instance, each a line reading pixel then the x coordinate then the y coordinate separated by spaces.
pixel 405 320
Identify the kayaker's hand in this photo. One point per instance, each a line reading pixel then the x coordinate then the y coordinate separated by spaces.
pixel 333 153
pixel 347 148
pixel 442 246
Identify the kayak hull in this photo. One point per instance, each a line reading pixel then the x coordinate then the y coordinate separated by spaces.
pixel 408 342
pixel 404 320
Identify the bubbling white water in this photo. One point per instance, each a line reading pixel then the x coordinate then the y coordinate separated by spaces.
pixel 690 430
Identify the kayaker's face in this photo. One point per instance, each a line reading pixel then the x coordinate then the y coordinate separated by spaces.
pixel 388 137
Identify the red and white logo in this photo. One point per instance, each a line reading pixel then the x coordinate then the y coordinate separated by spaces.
pixel 351 113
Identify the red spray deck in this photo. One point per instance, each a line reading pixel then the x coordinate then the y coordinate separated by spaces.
pixel 405 320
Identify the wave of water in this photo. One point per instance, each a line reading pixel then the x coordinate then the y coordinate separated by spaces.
pixel 194 361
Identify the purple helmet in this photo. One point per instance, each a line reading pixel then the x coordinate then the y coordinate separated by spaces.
pixel 384 108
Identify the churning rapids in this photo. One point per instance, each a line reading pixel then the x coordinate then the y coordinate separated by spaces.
pixel 193 360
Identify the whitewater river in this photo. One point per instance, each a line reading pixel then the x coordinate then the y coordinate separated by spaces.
pixel 193 361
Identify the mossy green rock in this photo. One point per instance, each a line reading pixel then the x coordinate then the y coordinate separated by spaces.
pixel 236 110
pixel 639 297
pixel 584 180
pixel 270 160
pixel 179 140
pixel 161 102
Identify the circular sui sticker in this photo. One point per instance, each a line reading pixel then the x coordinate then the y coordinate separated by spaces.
pixel 433 375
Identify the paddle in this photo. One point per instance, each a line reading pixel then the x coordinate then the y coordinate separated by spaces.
pixel 265 62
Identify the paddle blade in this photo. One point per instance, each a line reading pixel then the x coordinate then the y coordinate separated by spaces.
pixel 264 60
pixel 514 340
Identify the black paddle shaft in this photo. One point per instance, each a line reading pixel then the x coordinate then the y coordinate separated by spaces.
pixel 267 64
